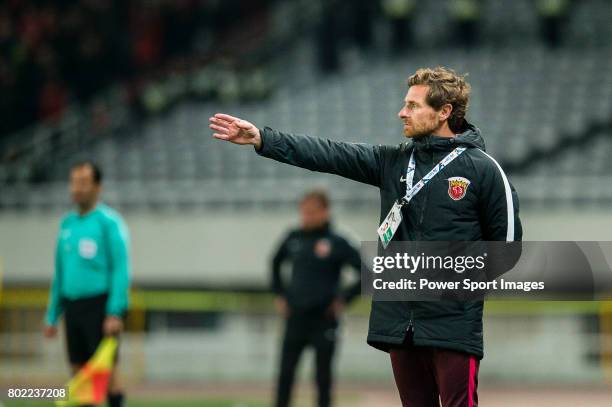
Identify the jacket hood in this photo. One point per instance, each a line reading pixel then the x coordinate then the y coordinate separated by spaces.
pixel 470 138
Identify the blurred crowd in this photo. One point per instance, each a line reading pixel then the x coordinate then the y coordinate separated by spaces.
pixel 55 51
pixel 460 22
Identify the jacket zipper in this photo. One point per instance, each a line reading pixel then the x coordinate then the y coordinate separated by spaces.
pixel 421 218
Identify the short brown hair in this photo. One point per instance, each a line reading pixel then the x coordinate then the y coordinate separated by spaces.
pixel 318 195
pixel 445 86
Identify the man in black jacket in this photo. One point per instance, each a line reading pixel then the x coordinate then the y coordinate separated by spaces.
pixel 435 347
pixel 312 301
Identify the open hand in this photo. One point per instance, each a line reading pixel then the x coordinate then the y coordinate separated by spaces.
pixel 235 130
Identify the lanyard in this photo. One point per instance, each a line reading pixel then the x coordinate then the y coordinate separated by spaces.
pixel 411 191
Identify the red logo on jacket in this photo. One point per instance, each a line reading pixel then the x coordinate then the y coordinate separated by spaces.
pixel 322 248
pixel 457 187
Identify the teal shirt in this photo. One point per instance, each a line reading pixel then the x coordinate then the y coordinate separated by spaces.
pixel 91 258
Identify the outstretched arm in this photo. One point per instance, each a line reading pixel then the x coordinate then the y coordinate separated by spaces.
pixel 357 161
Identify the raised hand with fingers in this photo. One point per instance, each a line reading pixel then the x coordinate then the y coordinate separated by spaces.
pixel 235 130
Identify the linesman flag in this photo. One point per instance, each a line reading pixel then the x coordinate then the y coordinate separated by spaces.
pixel 90 384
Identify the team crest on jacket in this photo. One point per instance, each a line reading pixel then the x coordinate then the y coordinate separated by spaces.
pixel 457 187
pixel 322 248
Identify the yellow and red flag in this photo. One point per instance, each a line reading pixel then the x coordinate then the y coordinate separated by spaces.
pixel 90 384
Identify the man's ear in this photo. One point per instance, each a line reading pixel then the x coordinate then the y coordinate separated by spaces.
pixel 445 112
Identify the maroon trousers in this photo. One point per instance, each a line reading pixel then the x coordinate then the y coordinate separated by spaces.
pixel 426 376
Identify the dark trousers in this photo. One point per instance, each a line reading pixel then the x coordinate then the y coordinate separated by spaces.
pixel 425 376
pixel 302 330
pixel 83 322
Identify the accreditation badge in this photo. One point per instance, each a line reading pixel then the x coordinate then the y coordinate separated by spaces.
pixel 88 248
pixel 389 226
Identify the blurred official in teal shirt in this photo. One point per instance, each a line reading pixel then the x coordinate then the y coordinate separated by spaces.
pixel 91 258
pixel 92 273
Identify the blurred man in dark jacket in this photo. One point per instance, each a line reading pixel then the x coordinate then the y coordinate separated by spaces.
pixel 312 300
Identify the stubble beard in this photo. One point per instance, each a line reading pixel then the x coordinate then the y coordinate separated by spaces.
pixel 421 131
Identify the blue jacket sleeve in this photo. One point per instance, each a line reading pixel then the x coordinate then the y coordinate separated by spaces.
pixel 54 308
pixel 119 247
pixel 357 161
